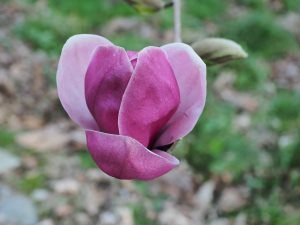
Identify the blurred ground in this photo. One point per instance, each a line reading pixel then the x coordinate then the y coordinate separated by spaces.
pixel 240 165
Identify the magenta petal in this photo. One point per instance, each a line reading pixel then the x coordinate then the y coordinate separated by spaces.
pixel 132 57
pixel 190 73
pixel 105 82
pixel 124 158
pixel 151 97
pixel 73 63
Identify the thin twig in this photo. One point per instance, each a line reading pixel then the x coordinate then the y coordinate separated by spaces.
pixel 177 20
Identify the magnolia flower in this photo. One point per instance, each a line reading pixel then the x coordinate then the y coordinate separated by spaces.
pixel 132 105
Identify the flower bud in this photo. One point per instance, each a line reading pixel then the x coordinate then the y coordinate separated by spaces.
pixel 218 50
pixel 146 6
pixel 134 106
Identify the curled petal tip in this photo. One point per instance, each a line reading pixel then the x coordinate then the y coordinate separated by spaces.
pixel 124 158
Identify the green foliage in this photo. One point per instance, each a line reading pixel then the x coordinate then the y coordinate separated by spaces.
pixel 32 181
pixel 217 149
pixel 139 210
pixel 46 32
pixel 289 219
pixel 289 5
pixel 260 35
pixel 206 9
pixel 289 156
pixel 237 149
pixel 142 188
pixel 140 216
pixel 204 147
pixel 50 28
pixel 285 106
pixel 270 209
pixel 86 160
pixel 131 41
pixel 292 5
pixel 94 12
pixel 254 4
pixel 165 19
pixel 251 73
pixel 6 137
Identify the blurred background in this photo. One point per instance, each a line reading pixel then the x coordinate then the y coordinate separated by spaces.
pixel 240 165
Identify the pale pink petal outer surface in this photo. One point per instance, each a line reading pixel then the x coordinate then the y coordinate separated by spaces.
pixel 105 82
pixel 75 57
pixel 190 73
pixel 124 158
pixel 151 98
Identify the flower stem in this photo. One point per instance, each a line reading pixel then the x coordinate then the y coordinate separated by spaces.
pixel 177 20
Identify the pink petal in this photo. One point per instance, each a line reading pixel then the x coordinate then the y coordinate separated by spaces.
pixel 124 158
pixel 73 63
pixel 105 82
pixel 190 73
pixel 151 97
pixel 132 57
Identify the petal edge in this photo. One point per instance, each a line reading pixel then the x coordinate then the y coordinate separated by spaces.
pixel 106 79
pixel 190 73
pixel 73 62
pixel 124 158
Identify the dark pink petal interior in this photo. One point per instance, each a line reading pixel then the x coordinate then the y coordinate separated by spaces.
pixel 124 158
pixel 105 82
pixel 151 98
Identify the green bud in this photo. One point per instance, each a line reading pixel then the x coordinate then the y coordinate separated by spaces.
pixel 147 6
pixel 218 50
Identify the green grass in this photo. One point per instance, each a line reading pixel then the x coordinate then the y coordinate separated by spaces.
pixel 292 5
pixel 140 216
pixel 285 107
pixel 32 181
pixel 251 74
pixel 206 9
pixel 215 148
pixel 139 209
pixel 253 4
pixel 136 43
pixel 94 12
pixel 86 160
pixel 261 35
pixel 46 29
pixel 7 137
pixel 46 32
